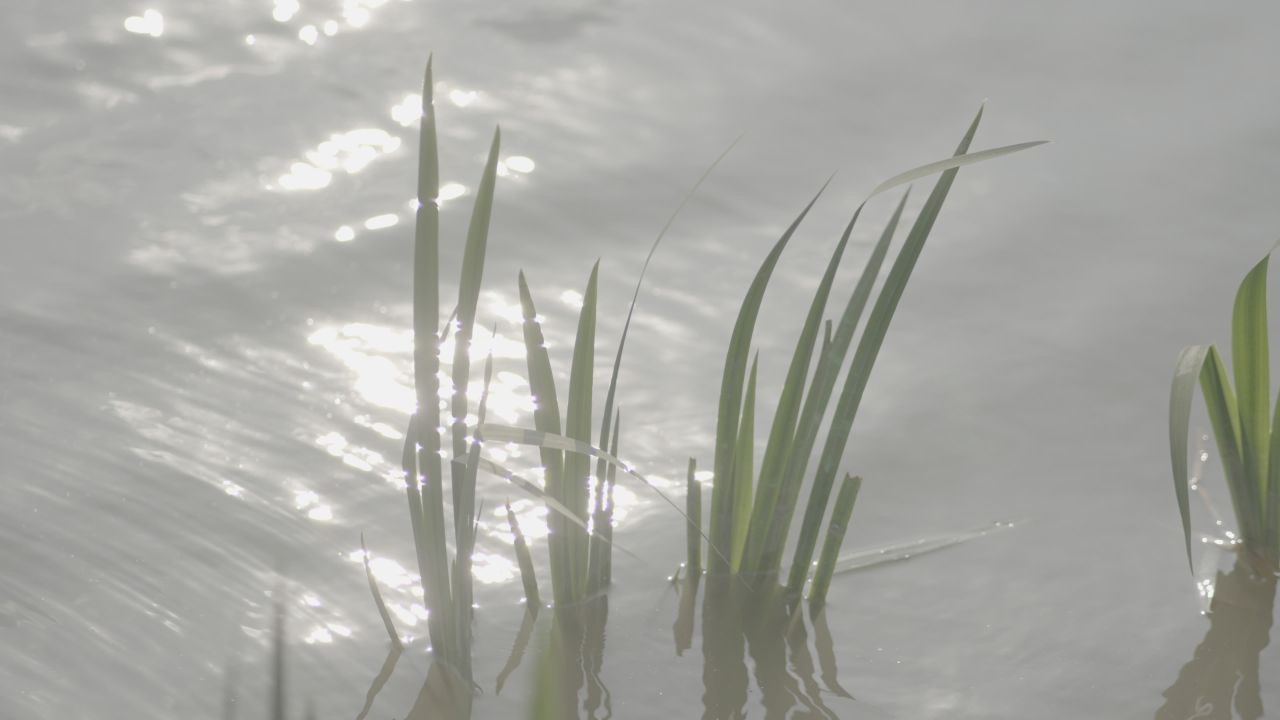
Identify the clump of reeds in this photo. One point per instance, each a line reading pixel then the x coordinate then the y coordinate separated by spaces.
pixel 751 510
pixel 1246 428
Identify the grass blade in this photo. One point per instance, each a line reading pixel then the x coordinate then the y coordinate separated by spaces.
pixel 577 467
pixel 1185 375
pixel 693 533
pixel 377 597
pixel 523 436
pixel 1250 361
pixel 528 577
pixel 869 346
pixel 836 530
pixel 742 472
pixel 821 390
pixel 1224 418
pixel 735 368
pixel 772 500
pixel 546 418
pixel 635 296
pixel 956 161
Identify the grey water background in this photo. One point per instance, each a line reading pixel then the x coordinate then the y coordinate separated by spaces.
pixel 201 383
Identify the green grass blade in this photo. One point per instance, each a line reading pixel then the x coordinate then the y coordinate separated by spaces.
pixel 735 368
pixel 773 501
pixel 546 418
pixel 956 161
pixel 599 560
pixel 839 525
pixel 1224 418
pixel 524 559
pixel 1273 488
pixel 743 471
pixel 836 347
pixel 869 346
pixel 693 533
pixel 524 436
pixel 1251 363
pixel 426 286
pixel 606 526
pixel 577 467
pixel 635 296
pixel 377 598
pixel 1185 376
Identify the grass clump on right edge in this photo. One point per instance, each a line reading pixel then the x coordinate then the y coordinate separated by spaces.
pixel 751 510
pixel 1248 438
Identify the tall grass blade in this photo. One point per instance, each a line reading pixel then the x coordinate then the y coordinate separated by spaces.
pixel 1251 363
pixel 772 500
pixel 605 529
pixel 522 436
pixel 836 530
pixel 524 559
pixel 577 466
pixel 836 347
pixel 599 559
pixel 735 368
pixel 377 596
pixel 693 508
pixel 1185 375
pixel 743 471
pixel 546 418
pixel 869 345
pixel 1224 418
pixel 957 161
pixel 635 296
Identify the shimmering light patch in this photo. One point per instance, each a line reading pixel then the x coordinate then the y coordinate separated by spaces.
pixel 451 191
pixel 408 111
pixel 463 98
pixel 150 22
pixel 344 234
pixel 572 298
pixel 703 476
pixel 390 573
pixel 381 428
pixel 357 12
pixel 358 457
pixel 378 222
pixel 520 164
pixel 348 152
pixel 320 513
pixel 403 614
pixel 284 10
pixel 363 349
pixel 249 39
pixel 319 634
pixel 531 515
pixel 330 27
pixel 309 34
pixel 310 600
pixel 304 498
pixel 492 569
pixel 232 489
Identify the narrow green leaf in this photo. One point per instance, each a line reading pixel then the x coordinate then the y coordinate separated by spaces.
pixel 377 598
pixel 773 502
pixel 546 418
pixel 1185 375
pixel 819 396
pixel 1251 362
pixel 957 161
pixel 693 532
pixel 524 559
pixel 836 530
pixel 635 296
pixel 1224 418
pixel 872 339
pixel 577 467
pixel 735 367
pixel 743 471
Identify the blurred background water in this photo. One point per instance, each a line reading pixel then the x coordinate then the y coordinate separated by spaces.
pixel 205 349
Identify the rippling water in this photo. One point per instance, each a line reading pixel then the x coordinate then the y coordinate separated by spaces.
pixel 205 350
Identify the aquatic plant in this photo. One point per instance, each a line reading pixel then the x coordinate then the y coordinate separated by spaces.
pixel 751 511
pixel 1248 439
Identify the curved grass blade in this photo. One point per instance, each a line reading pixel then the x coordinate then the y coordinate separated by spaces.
pixel 397 647
pixel 743 471
pixel 1251 363
pixel 577 467
pixel 957 161
pixel 735 368
pixel 763 542
pixel 523 436
pixel 693 531
pixel 635 296
pixel 377 597
pixel 872 339
pixel 836 530
pixel 836 347
pixel 1185 375
pixel 1224 418
pixel 528 577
